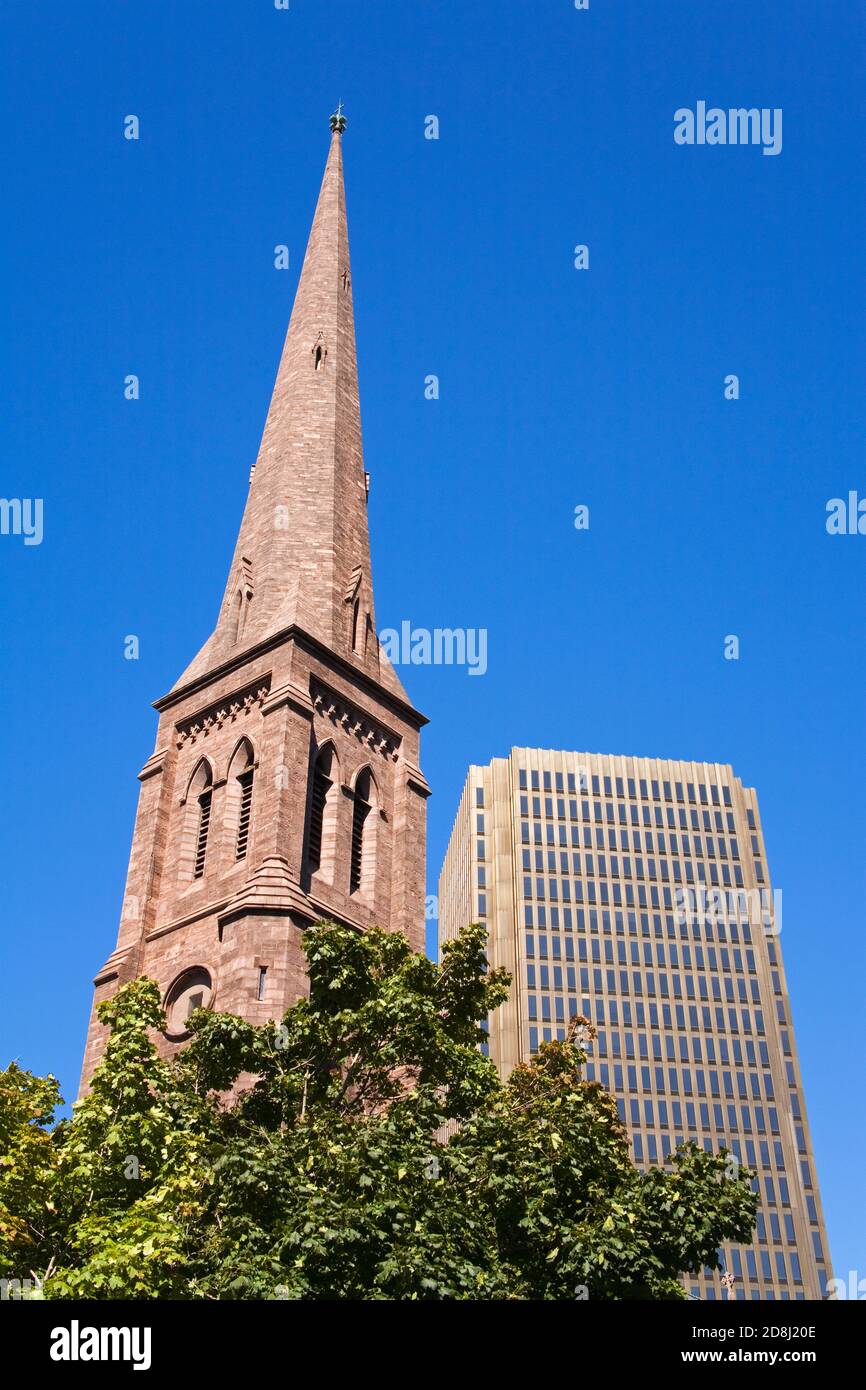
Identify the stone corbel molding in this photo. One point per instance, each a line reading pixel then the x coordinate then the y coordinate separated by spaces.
pixel 289 694
pixel 154 765
pixel 416 780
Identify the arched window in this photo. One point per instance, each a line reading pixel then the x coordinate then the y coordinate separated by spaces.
pixel 356 612
pixel 362 865
pixel 318 352
pixel 321 841
pixel 201 792
pixel 239 802
pixel 246 781
pixel 191 990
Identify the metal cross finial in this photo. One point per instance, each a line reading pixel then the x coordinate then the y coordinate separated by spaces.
pixel 338 120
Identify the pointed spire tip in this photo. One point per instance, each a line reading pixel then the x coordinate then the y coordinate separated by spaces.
pixel 338 120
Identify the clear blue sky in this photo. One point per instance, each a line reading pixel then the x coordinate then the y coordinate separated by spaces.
pixel 558 387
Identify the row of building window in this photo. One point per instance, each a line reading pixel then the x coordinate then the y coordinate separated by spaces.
pixel 586 889
pixel 629 896
pixel 729 1137
pixel 772 1188
pixel 706 1083
pixel 694 1048
pixel 713 988
pixel 716 1020
pixel 672 824
pixel 600 814
pixel 624 866
pixel 652 1111
pixel 552 861
pixel 674 845
pixel 769 1269
pixel 693 957
pixel 661 1046
pixel 736 1125
pixel 755 1295
pixel 632 787
pixel 680 1082
pixel 679 1017
pixel 712 929
pixel 724 1119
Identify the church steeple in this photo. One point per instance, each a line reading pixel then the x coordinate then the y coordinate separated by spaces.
pixel 285 783
pixel 303 552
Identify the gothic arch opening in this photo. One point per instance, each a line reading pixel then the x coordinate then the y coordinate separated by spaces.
pixel 324 802
pixel 197 818
pixel 365 822
pixel 239 802
pixel 319 352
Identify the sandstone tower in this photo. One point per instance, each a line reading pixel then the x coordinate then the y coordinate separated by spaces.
pixel 285 784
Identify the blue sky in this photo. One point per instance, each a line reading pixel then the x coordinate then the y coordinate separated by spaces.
pixel 557 387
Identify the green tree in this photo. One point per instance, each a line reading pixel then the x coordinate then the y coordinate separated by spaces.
pixel 29 1221
pixel 363 1147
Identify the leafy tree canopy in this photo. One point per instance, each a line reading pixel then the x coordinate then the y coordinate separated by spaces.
pixel 363 1147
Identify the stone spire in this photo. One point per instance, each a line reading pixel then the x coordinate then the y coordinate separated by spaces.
pixel 302 557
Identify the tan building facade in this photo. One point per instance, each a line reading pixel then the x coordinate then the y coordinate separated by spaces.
pixel 635 891
pixel 285 783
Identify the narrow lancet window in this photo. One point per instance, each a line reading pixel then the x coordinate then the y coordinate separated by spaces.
pixel 360 812
pixel 322 783
pixel 204 803
pixel 246 781
pixel 240 806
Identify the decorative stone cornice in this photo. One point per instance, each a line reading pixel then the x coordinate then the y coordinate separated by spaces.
pixel 225 711
pixel 343 715
pixel 294 633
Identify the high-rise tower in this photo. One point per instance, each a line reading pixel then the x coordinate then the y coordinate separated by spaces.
pixel 636 892
pixel 285 783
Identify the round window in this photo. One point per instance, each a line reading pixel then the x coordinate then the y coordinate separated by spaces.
pixel 192 990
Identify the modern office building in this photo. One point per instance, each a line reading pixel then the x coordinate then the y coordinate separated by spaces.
pixel 635 891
